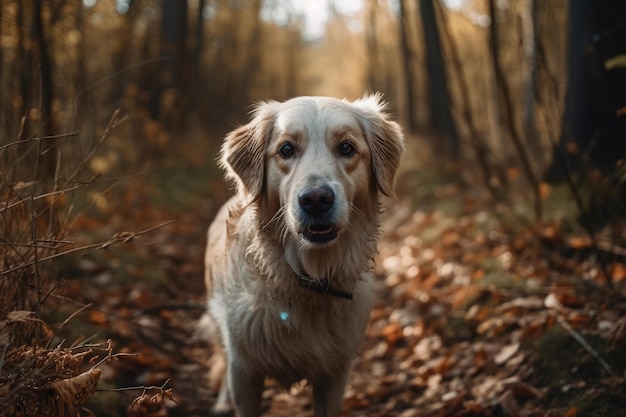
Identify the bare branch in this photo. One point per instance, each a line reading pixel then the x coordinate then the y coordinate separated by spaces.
pixel 42 138
pixel 124 237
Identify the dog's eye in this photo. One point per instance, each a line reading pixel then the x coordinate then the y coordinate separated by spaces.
pixel 287 150
pixel 346 149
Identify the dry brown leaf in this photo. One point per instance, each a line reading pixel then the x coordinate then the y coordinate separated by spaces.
pixel 618 272
pixel 392 333
pixel 506 353
pixel 494 324
pixel 577 319
pixel 524 392
pixel 569 299
pixel 98 317
pixel 72 392
pixel 579 242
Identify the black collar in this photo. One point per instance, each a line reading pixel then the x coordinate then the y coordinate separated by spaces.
pixel 323 286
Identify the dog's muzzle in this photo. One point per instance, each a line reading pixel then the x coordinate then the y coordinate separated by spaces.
pixel 317 205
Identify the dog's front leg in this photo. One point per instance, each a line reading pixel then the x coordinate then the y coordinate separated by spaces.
pixel 246 389
pixel 328 393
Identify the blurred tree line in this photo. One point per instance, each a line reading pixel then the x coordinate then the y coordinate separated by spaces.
pixel 524 89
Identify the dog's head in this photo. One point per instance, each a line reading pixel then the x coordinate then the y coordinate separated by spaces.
pixel 316 163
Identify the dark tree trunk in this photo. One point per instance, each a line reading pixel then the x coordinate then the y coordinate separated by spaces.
pixel 174 70
pixel 46 123
pixel 438 95
pixel 407 62
pixel 24 62
pixel 199 35
pixel 594 119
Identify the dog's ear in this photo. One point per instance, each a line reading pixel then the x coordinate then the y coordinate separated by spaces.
pixel 385 140
pixel 243 151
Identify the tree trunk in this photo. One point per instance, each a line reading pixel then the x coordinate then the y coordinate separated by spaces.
pixel 407 64
pixel 438 96
pixel 293 49
pixel 372 47
pixel 253 61
pixel 506 101
pixel 529 35
pixel 173 75
pixel 595 120
pixel 24 62
pixel 493 174
pixel 199 35
pixel 46 123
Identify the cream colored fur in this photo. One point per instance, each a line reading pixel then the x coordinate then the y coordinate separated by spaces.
pixel 260 245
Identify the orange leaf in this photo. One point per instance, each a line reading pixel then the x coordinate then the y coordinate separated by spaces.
pixel 577 242
pixel 98 317
pixel 618 272
pixel 572 412
pixel 544 190
pixel 512 173
pixel 392 332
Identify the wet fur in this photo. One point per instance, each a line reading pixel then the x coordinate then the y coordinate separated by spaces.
pixel 267 323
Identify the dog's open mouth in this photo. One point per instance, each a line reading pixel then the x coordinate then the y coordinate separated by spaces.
pixel 319 233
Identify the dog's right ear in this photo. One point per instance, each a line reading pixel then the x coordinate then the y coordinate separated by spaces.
pixel 243 151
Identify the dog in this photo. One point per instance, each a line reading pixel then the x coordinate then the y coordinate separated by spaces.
pixel 290 258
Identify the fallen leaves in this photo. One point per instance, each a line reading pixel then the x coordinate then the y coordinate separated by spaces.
pixel 471 320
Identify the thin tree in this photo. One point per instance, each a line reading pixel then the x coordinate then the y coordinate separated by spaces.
pixel 174 47
pixel 253 58
pixel 407 64
pixel 372 46
pixel 493 176
pixel 529 36
pixel 507 112
pixel 438 95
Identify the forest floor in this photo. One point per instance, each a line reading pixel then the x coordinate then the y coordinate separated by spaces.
pixel 477 314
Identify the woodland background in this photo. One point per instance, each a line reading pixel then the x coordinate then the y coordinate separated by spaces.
pixel 502 269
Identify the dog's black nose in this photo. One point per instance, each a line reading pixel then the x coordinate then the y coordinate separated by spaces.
pixel 317 200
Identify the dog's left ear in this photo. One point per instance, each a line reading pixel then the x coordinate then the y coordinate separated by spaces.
pixel 385 140
pixel 243 151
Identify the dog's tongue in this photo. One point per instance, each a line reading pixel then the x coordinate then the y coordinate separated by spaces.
pixel 319 231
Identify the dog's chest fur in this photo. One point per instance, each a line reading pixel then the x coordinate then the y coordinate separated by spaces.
pixel 273 323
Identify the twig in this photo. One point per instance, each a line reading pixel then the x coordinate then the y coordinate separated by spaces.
pixel 112 356
pixel 142 387
pixel 42 138
pixel 119 237
pixel 578 337
pixel 8 206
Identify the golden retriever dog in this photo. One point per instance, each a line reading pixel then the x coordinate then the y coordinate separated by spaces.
pixel 289 260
